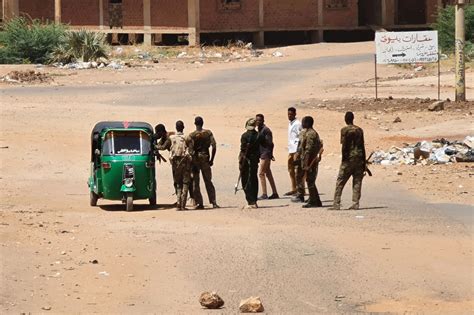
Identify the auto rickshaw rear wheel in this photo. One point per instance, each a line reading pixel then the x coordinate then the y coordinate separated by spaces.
pixel 93 199
pixel 129 203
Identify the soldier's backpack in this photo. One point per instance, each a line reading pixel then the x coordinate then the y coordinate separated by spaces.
pixel 179 147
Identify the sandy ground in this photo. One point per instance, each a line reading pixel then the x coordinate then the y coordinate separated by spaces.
pixel 408 250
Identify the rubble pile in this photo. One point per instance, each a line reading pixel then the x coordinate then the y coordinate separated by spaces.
pixel 26 77
pixel 439 151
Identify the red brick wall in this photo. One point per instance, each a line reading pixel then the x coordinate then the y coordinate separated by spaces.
pixel 244 18
pixel 84 12
pixel 342 17
pixel 432 9
pixel 43 9
pixel 132 13
pixel 169 13
pixel 291 13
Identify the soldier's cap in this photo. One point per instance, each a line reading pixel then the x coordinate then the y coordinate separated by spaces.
pixel 251 124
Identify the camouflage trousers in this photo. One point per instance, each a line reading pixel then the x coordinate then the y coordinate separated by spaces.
pixel 311 176
pixel 182 177
pixel 356 170
pixel 201 165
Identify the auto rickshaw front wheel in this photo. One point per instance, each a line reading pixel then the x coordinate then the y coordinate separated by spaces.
pixel 129 202
pixel 93 199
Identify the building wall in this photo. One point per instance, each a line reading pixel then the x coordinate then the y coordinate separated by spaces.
pixel 290 13
pixel 342 17
pixel 84 12
pixel 132 11
pixel 212 18
pixel 36 9
pixel 160 13
pixel 278 14
pixel 432 9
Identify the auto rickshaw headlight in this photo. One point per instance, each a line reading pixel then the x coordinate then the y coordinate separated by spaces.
pixel 128 182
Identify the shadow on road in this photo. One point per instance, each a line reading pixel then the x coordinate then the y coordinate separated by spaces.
pixel 138 208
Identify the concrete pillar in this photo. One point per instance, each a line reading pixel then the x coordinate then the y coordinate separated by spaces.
pixel 11 9
pixel 57 11
pixel 194 26
pixel 460 38
pixel 316 36
pixel 388 12
pixel 101 14
pixel 132 38
pixel 115 39
pixel 158 39
pixel 320 31
pixel 259 37
pixel 147 38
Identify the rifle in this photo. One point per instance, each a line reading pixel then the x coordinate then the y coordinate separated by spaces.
pixel 236 187
pixel 160 157
pixel 367 163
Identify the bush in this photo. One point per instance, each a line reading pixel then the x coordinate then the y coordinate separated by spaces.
pixel 445 25
pixel 82 45
pixel 25 41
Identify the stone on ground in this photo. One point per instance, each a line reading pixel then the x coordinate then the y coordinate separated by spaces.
pixel 251 305
pixel 436 106
pixel 211 300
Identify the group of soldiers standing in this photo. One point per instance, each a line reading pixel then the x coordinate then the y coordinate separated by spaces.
pixel 305 150
pixel 192 155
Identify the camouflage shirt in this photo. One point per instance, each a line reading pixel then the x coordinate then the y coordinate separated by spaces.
pixel 309 146
pixel 202 139
pixel 352 140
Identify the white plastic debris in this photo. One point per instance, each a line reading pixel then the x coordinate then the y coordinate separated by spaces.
pixel 277 54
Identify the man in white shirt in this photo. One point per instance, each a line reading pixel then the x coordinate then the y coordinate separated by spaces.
pixel 294 129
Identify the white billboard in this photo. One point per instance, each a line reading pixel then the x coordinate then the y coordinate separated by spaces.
pixel 406 47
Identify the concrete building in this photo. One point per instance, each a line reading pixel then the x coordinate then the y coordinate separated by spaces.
pixel 151 21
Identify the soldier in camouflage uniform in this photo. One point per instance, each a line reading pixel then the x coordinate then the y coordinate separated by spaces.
pixel 310 150
pixel 353 162
pixel 202 162
pixel 181 150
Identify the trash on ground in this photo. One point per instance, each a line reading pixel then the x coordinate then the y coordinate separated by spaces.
pixel 277 54
pixel 439 151
pixel 211 300
pixel 26 77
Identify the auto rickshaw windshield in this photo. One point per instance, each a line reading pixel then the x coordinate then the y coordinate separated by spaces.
pixel 126 142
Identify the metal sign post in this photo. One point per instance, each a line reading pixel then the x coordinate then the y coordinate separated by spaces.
pixel 439 79
pixel 376 82
pixel 406 47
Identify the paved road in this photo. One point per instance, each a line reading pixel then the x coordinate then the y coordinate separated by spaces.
pixel 247 85
pixel 297 259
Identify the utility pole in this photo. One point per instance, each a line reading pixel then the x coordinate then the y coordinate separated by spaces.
pixel 459 53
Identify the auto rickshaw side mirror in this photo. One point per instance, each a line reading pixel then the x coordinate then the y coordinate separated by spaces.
pixel 97 152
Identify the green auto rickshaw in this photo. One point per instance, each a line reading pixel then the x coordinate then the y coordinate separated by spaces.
pixel 122 163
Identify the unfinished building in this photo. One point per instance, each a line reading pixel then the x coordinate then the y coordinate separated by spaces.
pixel 262 21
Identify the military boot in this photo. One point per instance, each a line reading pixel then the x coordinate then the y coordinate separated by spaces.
pixel 355 206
